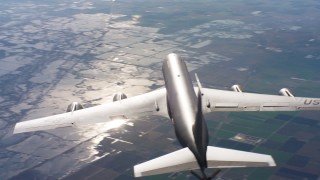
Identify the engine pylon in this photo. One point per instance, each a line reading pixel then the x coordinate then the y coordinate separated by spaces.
pixel 286 92
pixel 236 88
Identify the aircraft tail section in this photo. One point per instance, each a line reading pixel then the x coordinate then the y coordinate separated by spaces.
pixel 184 160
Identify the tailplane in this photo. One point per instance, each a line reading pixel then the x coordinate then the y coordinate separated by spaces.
pixel 184 160
pixel 229 158
pixel 176 161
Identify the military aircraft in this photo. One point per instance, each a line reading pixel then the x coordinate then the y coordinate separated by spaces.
pixel 185 105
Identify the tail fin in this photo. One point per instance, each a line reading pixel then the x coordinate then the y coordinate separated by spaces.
pixel 183 160
pixel 199 84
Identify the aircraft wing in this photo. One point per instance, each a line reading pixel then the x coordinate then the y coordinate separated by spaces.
pixel 152 103
pixel 221 100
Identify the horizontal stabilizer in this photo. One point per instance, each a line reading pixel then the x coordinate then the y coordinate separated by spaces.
pixel 228 158
pixel 184 160
pixel 180 160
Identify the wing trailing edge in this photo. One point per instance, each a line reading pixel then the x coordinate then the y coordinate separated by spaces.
pixel 184 160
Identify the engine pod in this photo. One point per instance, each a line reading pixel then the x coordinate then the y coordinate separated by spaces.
pixel 236 88
pixel 119 96
pixel 285 92
pixel 74 107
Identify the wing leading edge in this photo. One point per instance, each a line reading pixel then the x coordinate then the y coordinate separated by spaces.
pixel 152 103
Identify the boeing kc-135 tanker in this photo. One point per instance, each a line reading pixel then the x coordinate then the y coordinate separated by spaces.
pixel 185 105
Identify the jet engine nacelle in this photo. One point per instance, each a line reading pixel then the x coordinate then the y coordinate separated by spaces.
pixel 285 92
pixel 236 88
pixel 119 96
pixel 74 107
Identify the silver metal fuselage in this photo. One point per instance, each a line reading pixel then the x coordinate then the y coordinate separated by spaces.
pixel 184 108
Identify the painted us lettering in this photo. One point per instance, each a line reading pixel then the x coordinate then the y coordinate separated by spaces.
pixel 316 102
pixel 312 102
pixel 307 101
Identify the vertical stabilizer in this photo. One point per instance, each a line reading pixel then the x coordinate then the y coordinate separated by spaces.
pixel 199 84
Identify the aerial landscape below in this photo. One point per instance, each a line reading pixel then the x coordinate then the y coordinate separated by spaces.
pixel 53 53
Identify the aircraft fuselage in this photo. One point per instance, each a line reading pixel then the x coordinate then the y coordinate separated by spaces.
pixel 184 108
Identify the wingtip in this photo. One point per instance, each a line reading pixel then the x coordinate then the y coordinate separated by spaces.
pixel 272 163
pixel 136 171
pixel 16 129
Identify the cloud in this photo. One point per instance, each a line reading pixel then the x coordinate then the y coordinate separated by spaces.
pixel 274 49
pixel 256 13
pixel 295 28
